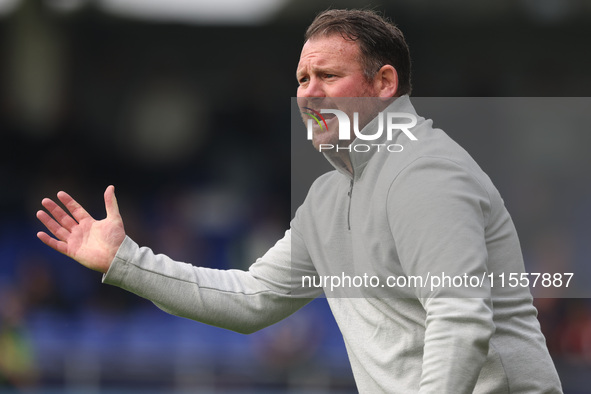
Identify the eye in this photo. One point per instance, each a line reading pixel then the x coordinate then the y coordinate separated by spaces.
pixel 302 80
pixel 329 76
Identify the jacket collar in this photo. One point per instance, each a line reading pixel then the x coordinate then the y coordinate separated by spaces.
pixel 359 155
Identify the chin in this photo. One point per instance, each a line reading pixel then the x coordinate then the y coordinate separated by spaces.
pixel 317 140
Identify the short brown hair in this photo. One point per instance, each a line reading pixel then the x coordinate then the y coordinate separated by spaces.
pixel 380 41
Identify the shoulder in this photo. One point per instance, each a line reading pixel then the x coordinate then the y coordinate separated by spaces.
pixel 435 155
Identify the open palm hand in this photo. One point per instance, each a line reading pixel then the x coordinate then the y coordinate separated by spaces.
pixel 93 243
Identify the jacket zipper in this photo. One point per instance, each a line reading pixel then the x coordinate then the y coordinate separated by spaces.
pixel 349 211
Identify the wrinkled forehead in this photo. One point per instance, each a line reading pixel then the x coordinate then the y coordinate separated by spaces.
pixel 328 49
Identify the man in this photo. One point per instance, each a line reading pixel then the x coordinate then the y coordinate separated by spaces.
pixel 428 211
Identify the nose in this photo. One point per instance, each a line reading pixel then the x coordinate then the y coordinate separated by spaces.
pixel 312 89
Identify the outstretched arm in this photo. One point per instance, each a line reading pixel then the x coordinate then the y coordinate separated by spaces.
pixel 92 243
pixel 243 301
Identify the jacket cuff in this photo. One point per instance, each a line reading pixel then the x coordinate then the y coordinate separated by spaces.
pixel 121 263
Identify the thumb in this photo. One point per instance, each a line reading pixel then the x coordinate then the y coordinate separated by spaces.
pixel 111 202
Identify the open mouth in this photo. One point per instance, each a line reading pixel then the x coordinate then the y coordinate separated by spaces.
pixel 321 119
pixel 329 116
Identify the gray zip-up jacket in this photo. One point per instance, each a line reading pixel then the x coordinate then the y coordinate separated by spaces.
pixel 427 211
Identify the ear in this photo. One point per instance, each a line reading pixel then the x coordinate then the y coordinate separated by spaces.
pixel 386 81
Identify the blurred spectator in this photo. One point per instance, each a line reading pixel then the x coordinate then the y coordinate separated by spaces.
pixel 575 333
pixel 17 368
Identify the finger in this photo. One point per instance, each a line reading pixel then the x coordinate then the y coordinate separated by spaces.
pixel 56 229
pixel 111 202
pixel 53 243
pixel 59 214
pixel 75 209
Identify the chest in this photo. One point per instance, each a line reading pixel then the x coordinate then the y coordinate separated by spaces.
pixel 347 233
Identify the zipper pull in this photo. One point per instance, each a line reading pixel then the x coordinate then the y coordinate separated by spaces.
pixel 349 209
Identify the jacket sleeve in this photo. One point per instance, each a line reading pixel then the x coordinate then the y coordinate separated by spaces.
pixel 438 213
pixel 242 301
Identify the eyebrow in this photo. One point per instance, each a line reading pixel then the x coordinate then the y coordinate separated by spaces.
pixel 316 70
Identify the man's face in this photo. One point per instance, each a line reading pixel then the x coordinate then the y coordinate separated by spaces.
pixel 329 67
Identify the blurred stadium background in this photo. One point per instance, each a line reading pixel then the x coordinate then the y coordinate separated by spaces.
pixel 184 106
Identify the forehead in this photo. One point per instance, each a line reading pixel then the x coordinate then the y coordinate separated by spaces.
pixel 329 50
